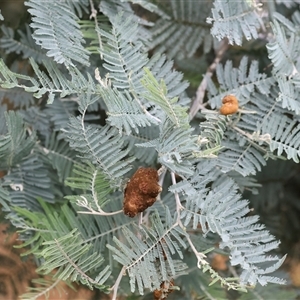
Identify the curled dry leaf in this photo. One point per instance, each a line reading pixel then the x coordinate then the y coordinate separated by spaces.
pixel 141 191
pixel 230 105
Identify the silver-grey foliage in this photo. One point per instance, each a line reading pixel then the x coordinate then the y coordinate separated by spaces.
pixel 62 151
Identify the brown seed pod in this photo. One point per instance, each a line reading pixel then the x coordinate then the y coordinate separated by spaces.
pixel 141 191
pixel 230 105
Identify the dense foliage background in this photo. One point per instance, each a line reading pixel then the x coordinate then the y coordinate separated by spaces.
pixel 273 191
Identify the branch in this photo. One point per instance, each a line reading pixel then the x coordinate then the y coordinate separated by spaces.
pixel 45 292
pixel 200 256
pixel 179 206
pixel 115 287
pixel 84 203
pixel 94 16
pixel 198 102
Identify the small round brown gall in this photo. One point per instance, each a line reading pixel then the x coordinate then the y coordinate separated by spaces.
pixel 230 105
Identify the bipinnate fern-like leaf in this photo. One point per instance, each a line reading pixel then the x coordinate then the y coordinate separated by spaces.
pixel 212 131
pixel 124 113
pixel 221 211
pixel 241 82
pixel 148 255
pixel 23 186
pixel 56 30
pixel 10 79
pixel 24 45
pixel 234 20
pixel 100 146
pixel 243 159
pixel 245 145
pixel 289 93
pixel 284 53
pixel 143 154
pixel 123 60
pixel 72 265
pixel 282 50
pixel 182 29
pixel 78 6
pixel 63 248
pixel 176 148
pixel 112 8
pixel 121 89
pixel 163 69
pixel 15 144
pixel 53 83
pixel 285 135
pixel 4 199
pixel 157 93
pixel 23 164
pixel 59 113
pixel 94 186
pixel 36 118
pixel 147 123
pixel 60 156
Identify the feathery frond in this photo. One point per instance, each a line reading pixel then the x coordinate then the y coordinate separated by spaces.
pixel 176 148
pixel 157 93
pixel 124 113
pixel 234 20
pixel 282 51
pixel 245 159
pixel 4 199
pixel 60 156
pixel 285 135
pixel 112 8
pixel 24 45
pixel 182 30
pixel 59 112
pixel 241 82
pixel 62 247
pixel 143 154
pixel 56 30
pixel 123 60
pixel 16 143
pixel 96 189
pixel 221 211
pixel 148 259
pixel 101 146
pixel 37 119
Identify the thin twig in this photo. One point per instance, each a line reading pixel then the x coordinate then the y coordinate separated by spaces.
pixel 47 290
pixel 83 202
pixel 94 16
pixel 200 256
pixel 101 213
pixel 179 206
pixel 198 102
pixel 115 287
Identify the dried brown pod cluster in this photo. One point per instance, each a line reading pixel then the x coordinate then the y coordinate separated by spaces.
pixel 141 191
pixel 164 291
pixel 230 105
